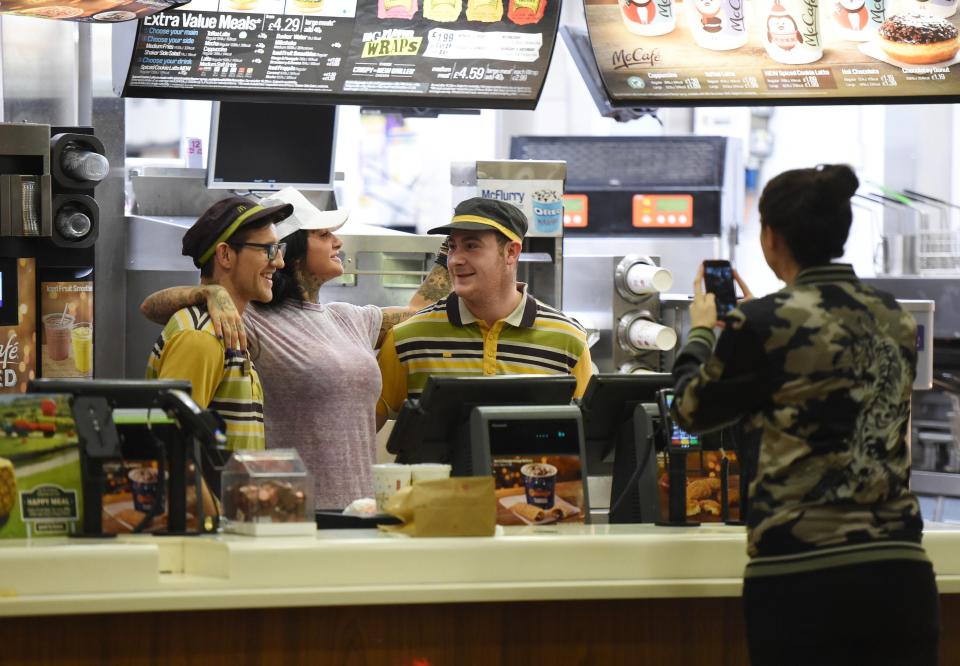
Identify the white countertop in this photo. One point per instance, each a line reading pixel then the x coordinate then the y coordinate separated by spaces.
pixel 356 567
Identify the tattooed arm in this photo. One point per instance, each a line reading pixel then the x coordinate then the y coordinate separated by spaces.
pixel 435 287
pixel 159 306
pixel 391 317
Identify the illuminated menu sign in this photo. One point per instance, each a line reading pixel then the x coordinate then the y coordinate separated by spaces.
pixel 444 53
pixel 762 51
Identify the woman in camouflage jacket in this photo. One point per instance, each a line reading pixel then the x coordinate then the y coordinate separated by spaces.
pixel 818 375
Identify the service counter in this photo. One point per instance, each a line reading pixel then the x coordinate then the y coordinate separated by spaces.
pixel 601 594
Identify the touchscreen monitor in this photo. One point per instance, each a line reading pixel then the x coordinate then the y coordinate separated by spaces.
pixel 678 439
pixel 434 428
pixel 536 456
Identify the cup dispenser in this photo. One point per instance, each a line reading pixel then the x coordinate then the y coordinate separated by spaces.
pixel 25 180
pixel 48 225
pixel 77 164
pixel 47 178
pixel 617 299
pixel 640 337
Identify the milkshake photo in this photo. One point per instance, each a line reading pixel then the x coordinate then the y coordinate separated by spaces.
pixel 648 18
pixel 719 25
pixel 791 31
pixel 858 20
pixel 941 8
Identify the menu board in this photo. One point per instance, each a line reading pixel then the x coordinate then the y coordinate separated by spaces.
pixel 770 51
pixel 444 53
pixel 88 11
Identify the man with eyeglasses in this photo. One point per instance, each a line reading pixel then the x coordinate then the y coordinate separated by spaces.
pixel 234 244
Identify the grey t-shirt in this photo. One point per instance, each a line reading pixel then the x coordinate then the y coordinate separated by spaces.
pixel 321 383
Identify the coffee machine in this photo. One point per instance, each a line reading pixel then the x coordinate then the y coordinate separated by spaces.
pixel 49 222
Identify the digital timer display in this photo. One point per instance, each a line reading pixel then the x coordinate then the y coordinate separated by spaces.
pixel 671 205
pixel 662 211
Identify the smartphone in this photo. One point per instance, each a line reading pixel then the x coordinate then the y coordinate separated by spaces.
pixel 718 279
pixel 678 439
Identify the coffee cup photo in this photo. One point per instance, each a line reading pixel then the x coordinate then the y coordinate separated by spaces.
pixel 144 486
pixel 538 490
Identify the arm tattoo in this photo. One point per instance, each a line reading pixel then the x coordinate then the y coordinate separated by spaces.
pixel 391 317
pixel 436 286
pixel 160 306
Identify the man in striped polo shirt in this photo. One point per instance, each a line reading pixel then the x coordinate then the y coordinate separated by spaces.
pixel 234 244
pixel 489 325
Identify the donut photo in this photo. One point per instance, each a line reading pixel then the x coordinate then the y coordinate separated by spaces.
pixel 918 39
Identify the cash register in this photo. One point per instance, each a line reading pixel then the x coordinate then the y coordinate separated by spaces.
pixel 436 427
pixel 115 421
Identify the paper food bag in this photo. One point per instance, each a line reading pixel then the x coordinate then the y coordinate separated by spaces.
pixel 459 506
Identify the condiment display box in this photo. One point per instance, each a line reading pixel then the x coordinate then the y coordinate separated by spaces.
pixel 267 493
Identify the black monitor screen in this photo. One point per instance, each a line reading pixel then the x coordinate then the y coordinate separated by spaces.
pixel 256 146
pixel 537 439
pixel 427 430
pixel 608 405
pixel 620 440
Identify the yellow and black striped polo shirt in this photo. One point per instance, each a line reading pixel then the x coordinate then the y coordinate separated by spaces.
pixel 223 381
pixel 446 339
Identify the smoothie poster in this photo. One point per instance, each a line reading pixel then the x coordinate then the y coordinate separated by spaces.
pixel 762 51
pixel 66 326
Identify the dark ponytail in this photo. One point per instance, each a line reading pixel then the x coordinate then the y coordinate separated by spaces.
pixel 285 283
pixel 810 209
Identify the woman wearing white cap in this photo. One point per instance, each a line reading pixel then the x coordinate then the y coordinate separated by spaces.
pixel 317 361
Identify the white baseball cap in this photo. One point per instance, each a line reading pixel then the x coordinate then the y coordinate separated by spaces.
pixel 305 214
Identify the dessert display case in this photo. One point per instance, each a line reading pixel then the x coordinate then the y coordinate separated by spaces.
pixel 267 493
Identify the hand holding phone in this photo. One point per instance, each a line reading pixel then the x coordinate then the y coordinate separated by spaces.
pixel 718 276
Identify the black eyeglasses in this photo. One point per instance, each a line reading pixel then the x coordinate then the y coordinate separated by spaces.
pixel 272 249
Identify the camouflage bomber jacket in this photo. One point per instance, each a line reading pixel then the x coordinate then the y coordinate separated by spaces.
pixel 819 376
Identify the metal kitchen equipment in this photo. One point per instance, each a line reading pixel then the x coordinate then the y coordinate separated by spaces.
pixel 621 318
pixel 677 198
pixel 25 202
